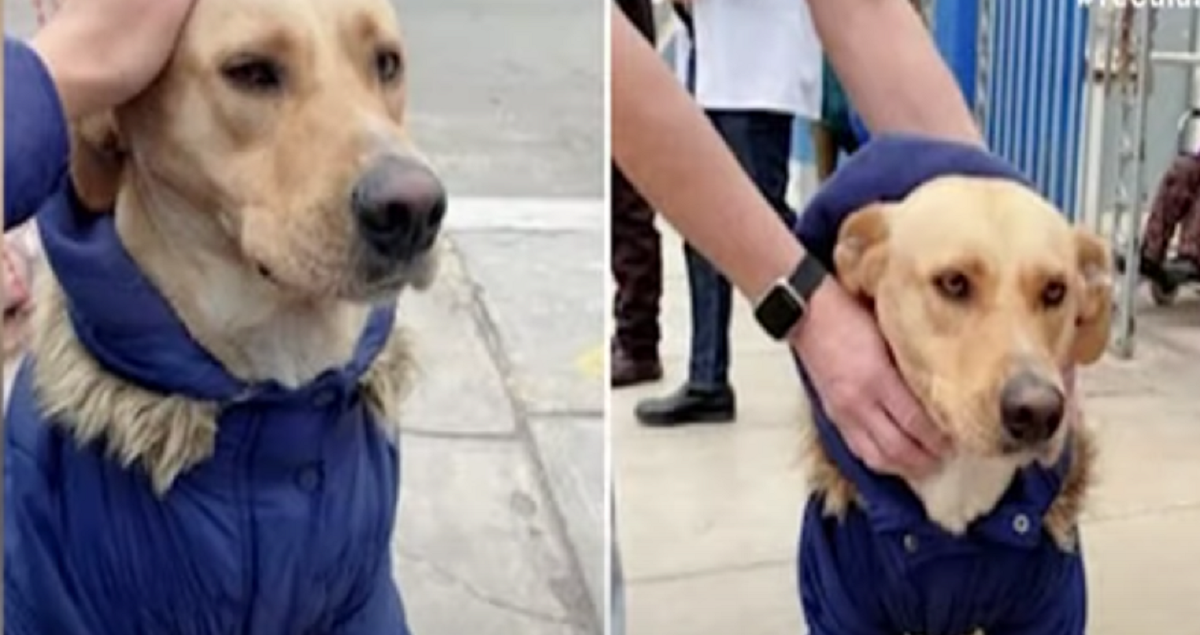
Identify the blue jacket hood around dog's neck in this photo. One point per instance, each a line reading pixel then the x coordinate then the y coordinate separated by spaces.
pixel 127 325
pixel 886 170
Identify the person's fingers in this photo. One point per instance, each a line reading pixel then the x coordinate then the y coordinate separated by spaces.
pixel 863 445
pixel 902 455
pixel 910 416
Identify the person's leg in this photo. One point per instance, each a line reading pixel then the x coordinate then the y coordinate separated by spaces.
pixel 1189 242
pixel 846 140
pixel 706 396
pixel 766 153
pixel 1176 195
pixel 762 144
pixel 824 150
pixel 637 269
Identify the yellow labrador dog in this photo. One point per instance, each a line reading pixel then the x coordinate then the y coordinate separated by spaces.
pixel 984 293
pixel 203 439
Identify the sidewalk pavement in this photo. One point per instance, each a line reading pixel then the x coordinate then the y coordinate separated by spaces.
pixel 709 516
pixel 501 527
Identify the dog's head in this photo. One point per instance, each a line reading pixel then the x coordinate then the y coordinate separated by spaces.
pixel 984 293
pixel 284 120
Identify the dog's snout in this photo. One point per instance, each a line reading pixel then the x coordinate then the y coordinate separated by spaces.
pixel 399 205
pixel 1031 408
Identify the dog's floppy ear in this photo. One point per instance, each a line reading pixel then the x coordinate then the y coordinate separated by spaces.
pixel 97 156
pixel 861 252
pixel 1095 306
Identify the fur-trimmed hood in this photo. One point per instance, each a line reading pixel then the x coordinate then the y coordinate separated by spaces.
pixel 130 328
pixel 146 487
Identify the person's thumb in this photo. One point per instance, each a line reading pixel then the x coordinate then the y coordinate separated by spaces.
pixel 910 416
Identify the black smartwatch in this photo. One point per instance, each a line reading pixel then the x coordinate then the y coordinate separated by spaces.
pixel 786 302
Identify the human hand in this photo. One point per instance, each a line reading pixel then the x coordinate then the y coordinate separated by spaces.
pixel 101 53
pixel 853 373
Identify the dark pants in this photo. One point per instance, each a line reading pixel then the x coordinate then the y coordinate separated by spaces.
pixel 636 248
pixel 1176 208
pixel 762 143
pixel 637 269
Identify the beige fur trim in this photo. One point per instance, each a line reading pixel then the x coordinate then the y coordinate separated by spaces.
pixel 167 434
pixel 1061 520
pixel 387 382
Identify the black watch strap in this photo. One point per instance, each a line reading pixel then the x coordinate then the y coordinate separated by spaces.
pixel 786 302
pixel 808 275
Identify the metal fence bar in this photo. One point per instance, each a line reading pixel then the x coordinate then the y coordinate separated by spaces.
pixel 1000 128
pixel 984 53
pixel 1078 102
pixel 1132 178
pixel 1059 123
pixel 1087 107
pixel 1035 138
pixel 1024 37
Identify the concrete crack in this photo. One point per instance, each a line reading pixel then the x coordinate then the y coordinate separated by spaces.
pixel 452 579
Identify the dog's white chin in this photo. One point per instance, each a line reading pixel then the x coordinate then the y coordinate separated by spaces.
pixel 965 488
pixel 423 273
pixel 420 274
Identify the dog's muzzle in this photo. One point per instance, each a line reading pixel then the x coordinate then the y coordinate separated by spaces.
pixel 1031 409
pixel 398 207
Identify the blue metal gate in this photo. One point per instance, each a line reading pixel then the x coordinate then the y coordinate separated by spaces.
pixel 1021 64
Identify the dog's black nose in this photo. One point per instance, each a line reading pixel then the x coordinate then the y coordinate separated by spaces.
pixel 1031 408
pixel 399 205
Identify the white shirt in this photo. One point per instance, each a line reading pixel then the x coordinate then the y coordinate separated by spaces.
pixel 754 55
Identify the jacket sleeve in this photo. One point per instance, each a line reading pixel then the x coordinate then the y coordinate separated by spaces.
pixel 36 145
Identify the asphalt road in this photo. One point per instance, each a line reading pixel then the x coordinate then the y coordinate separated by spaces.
pixel 507 96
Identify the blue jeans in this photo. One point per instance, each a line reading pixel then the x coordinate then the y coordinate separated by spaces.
pixel 762 143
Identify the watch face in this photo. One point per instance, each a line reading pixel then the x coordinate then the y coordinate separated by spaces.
pixel 779 312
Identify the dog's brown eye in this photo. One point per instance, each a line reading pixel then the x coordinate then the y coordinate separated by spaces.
pixel 1054 293
pixel 388 66
pixel 259 75
pixel 953 285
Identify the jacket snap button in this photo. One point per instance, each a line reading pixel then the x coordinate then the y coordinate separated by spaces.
pixel 324 398
pixel 1021 524
pixel 309 478
pixel 910 543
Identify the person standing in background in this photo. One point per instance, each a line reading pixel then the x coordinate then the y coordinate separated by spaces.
pixel 832 133
pixel 636 260
pixel 837 132
pixel 752 66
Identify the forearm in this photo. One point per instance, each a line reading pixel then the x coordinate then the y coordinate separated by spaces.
pixel 901 86
pixel 670 151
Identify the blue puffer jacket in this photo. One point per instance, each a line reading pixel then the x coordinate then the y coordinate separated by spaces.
pixel 887 569
pixel 284 531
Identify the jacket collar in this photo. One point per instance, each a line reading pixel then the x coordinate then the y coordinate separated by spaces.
pixel 131 330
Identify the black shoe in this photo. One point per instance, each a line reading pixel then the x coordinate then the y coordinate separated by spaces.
pixel 628 370
pixel 1183 270
pixel 689 405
